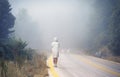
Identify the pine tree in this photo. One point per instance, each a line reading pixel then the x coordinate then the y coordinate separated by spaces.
pixel 6 23
pixel 6 19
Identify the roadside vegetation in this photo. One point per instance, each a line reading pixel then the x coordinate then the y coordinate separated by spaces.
pixel 16 58
pixel 105 38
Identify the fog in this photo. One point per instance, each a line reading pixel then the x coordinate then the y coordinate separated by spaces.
pixel 39 21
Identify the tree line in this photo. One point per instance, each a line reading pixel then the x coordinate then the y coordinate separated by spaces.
pixel 11 49
pixel 106 27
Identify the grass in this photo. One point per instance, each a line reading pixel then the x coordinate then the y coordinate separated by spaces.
pixel 114 58
pixel 36 67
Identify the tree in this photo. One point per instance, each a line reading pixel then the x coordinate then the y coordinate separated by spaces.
pixel 6 24
pixel 17 48
pixel 106 27
pixel 109 29
pixel 98 36
pixel 6 19
pixel 114 30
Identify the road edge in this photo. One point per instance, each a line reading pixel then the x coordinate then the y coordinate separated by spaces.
pixel 52 72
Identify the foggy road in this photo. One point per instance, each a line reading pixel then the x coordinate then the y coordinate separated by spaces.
pixel 73 65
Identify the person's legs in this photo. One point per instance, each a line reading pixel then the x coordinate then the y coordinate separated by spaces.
pixel 55 60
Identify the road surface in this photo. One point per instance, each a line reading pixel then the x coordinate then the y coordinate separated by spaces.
pixel 73 65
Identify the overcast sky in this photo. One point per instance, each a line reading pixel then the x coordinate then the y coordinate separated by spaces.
pixel 45 19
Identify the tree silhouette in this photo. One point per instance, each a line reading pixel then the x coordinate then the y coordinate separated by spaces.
pixel 6 19
pixel 6 24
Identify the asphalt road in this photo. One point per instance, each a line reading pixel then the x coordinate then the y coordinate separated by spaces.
pixel 73 65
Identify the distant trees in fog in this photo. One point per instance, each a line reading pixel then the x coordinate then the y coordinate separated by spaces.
pixel 106 30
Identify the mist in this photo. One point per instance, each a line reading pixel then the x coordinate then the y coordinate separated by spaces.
pixel 39 21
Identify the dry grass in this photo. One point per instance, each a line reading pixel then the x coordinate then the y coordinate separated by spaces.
pixel 35 68
pixel 114 58
pixel 40 65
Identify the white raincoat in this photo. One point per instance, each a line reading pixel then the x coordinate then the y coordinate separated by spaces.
pixel 55 48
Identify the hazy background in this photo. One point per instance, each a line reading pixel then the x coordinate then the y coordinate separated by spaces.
pixel 38 21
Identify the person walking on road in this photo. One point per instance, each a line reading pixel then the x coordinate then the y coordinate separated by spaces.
pixel 55 51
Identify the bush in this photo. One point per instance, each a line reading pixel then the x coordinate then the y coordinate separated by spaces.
pixel 17 60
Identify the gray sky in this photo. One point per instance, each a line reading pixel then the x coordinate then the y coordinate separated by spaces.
pixel 41 20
